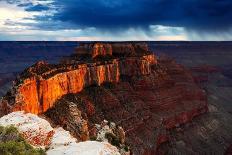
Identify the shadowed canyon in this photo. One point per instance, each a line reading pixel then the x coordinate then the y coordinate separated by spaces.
pixel 162 98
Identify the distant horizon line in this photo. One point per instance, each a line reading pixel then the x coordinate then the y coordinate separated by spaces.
pixel 113 41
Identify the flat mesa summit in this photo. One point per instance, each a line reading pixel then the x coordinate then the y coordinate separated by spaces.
pixel 123 83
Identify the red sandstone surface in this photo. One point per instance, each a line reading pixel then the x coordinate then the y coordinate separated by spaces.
pixel 145 106
pixel 201 73
pixel 145 96
pixel 206 69
pixel 42 84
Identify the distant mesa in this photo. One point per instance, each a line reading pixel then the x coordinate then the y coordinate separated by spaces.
pixel 117 49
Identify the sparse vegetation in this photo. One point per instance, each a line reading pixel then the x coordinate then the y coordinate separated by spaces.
pixel 12 143
pixel 126 148
pixel 112 139
pixel 93 138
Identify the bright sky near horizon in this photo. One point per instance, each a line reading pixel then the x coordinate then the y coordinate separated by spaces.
pixel 118 20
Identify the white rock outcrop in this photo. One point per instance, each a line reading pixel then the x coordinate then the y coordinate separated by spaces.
pixel 38 132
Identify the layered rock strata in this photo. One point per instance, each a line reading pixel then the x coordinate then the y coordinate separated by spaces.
pixel 122 83
pixel 39 86
pixel 117 49
pixel 145 106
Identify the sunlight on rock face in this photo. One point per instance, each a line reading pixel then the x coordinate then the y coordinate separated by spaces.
pixel 38 132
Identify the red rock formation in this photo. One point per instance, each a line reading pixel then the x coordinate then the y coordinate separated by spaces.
pixel 145 96
pixel 129 49
pixel 70 118
pixel 42 84
pixel 229 150
pixel 94 50
pixel 36 94
pixel 147 106
pixel 201 79
pixel 201 73
pixel 206 69
pixel 101 49
pixel 117 49
pixel 136 66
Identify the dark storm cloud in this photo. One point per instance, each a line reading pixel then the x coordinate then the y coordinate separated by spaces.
pixel 196 15
pixel 37 7
pixel 211 15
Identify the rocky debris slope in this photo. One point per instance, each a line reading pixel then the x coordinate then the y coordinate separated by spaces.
pixel 38 132
pixel 119 82
pixel 73 119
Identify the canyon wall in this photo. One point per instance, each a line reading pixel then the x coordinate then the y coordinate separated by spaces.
pixel 38 92
pixel 94 50
pixel 119 49
pixel 146 106
pixel 122 83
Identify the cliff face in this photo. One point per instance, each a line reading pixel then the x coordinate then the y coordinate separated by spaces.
pixel 101 49
pixel 94 50
pixel 36 94
pixel 41 85
pixel 146 106
pixel 137 66
pixel 145 96
pixel 117 49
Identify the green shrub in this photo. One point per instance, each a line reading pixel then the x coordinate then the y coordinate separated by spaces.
pixel 126 148
pixel 112 139
pixel 12 143
pixel 93 138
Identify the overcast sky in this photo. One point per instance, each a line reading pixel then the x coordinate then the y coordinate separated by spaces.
pixel 116 20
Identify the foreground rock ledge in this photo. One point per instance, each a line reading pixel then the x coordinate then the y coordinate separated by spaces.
pixel 39 133
pixel 120 82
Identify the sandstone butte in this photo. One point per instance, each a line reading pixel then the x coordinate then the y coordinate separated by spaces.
pixel 121 82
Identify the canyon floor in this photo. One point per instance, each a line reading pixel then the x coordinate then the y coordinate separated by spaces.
pixel 210 133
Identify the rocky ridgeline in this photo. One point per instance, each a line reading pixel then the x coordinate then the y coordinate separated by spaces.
pixel 39 86
pixel 119 82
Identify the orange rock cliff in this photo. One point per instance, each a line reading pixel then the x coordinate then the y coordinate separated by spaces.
pixel 121 82
pixel 39 86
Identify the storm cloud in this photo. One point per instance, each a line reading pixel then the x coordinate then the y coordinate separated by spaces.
pixel 113 19
pixel 107 14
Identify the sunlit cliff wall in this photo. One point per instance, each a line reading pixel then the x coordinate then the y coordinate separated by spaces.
pixel 38 92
